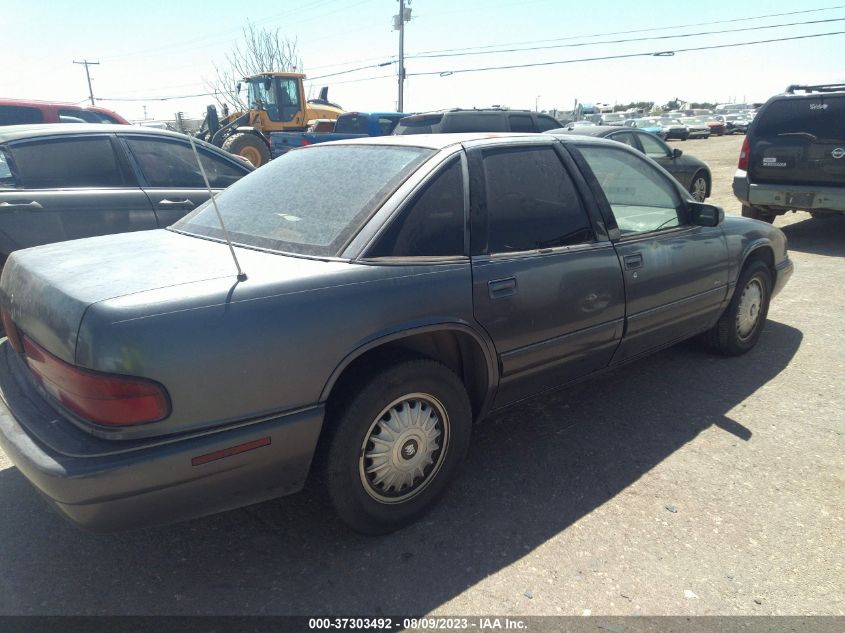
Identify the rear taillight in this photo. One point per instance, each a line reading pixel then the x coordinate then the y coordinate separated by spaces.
pixel 11 331
pixel 744 155
pixel 108 399
pixel 304 142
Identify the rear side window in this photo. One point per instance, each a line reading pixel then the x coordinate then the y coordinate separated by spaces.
pixel 171 164
pixel 62 163
pixel 19 115
pixel 820 116
pixel 531 201
pixel 475 122
pixel 521 123
pixel 418 125
pixel 433 224
pixel 85 116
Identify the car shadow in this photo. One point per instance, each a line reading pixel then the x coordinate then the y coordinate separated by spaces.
pixel 533 471
pixel 818 236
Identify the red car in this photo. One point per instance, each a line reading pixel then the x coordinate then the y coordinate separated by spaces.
pixel 717 127
pixel 17 111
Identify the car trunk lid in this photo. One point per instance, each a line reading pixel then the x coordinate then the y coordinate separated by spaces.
pixel 46 290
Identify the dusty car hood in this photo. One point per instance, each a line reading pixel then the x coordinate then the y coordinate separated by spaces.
pixel 48 289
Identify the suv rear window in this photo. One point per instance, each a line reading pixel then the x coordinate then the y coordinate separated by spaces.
pixel 820 116
pixel 418 125
pixel 475 122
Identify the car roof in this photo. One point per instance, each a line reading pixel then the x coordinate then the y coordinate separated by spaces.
pixel 36 130
pixel 591 130
pixel 443 141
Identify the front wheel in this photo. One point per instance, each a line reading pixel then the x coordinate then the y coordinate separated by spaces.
pixel 249 146
pixel 397 445
pixel 741 324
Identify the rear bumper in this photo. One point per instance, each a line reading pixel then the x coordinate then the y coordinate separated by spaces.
pixel 787 197
pixel 156 482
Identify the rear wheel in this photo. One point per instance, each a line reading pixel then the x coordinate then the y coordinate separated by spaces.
pixel 250 146
pixel 397 445
pixel 698 187
pixel 758 213
pixel 741 324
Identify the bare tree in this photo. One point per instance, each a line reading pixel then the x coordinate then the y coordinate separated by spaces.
pixel 262 51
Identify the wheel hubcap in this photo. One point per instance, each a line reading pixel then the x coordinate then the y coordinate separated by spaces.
pixel 252 155
pixel 699 190
pixel 404 448
pixel 750 305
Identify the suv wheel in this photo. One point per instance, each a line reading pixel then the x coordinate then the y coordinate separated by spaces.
pixel 758 213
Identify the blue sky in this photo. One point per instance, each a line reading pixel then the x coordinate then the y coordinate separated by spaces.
pixel 155 49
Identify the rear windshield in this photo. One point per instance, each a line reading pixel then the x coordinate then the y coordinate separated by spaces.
pixel 821 116
pixel 308 201
pixel 417 125
pixel 351 124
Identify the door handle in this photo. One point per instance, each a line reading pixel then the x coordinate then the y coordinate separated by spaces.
pixel 502 287
pixel 27 204
pixel 176 204
pixel 634 261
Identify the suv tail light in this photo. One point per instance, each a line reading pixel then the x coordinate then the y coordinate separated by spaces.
pixel 744 155
pixel 108 399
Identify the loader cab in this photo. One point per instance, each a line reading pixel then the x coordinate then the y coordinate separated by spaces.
pixel 278 96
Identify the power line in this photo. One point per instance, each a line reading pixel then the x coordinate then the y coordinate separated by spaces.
pixel 661 28
pixel 627 40
pixel 170 98
pixel 445 73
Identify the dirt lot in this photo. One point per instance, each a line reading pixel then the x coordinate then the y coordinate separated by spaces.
pixel 685 484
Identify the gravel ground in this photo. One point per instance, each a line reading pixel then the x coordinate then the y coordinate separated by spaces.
pixel 685 484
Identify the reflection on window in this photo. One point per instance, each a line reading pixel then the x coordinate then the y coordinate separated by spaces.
pixel 169 164
pixel 641 199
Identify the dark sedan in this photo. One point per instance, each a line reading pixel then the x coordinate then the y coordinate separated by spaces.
pixel 66 181
pixel 693 173
pixel 387 294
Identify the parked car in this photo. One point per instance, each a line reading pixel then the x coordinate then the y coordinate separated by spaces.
pixel 793 156
pixel 693 173
pixel 734 123
pixel 347 126
pixel 613 118
pixel 652 126
pixel 673 129
pixel 19 112
pixel 66 181
pixel 392 292
pixel 697 127
pixel 321 125
pixel 717 127
pixel 486 120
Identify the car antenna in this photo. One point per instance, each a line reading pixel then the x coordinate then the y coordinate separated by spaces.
pixel 241 274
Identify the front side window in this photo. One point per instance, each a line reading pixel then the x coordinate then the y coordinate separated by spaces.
pixel 62 163
pixel 309 201
pixel 641 198
pixel 172 165
pixel 545 123
pixel 433 224
pixel 84 115
pixel 653 146
pixel 531 201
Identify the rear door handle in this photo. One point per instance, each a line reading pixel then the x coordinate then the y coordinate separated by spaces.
pixel 176 204
pixel 23 204
pixel 502 287
pixel 634 261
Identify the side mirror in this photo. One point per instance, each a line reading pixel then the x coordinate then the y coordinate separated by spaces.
pixel 677 153
pixel 703 214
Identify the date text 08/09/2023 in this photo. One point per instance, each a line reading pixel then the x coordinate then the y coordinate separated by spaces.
pixel 433 624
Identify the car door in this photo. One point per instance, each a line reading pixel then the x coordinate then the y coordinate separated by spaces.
pixel 676 273
pixel 547 286
pixel 664 155
pixel 65 187
pixel 170 175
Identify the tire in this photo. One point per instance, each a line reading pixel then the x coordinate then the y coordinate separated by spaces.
pixel 699 186
pixel 758 213
pixel 421 454
pixel 250 146
pixel 738 329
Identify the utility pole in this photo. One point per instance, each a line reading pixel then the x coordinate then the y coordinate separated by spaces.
pixel 86 63
pixel 399 25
